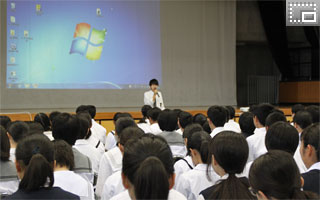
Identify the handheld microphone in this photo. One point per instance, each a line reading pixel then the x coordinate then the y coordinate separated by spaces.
pixel 158 94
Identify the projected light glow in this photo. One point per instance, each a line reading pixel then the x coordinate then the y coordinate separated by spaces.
pixel 82 44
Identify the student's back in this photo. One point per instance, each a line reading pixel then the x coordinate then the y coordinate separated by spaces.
pixel 34 163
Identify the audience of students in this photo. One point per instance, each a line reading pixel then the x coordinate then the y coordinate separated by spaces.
pixel 9 181
pixel 164 150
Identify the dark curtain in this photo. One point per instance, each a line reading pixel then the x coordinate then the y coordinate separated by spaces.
pixel 274 22
pixel 312 35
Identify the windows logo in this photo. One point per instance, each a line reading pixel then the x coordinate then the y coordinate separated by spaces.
pixel 88 42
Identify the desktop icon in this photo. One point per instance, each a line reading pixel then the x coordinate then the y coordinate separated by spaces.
pixel 12 60
pixel 13 73
pixel 98 12
pixel 13 19
pixel 13 47
pixel 12 32
pixel 13 6
pixel 26 33
pixel 38 7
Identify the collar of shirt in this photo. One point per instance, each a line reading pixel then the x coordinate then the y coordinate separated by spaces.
pixel 216 131
pixel 81 142
pixel 12 150
pixel 260 130
pixel 201 167
pixel 314 166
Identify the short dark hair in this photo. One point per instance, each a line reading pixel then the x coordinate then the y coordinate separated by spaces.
pixel 206 127
pixel 153 113
pixel 296 108
pixel 35 128
pixel 116 116
pixel 189 131
pixel 91 109
pixel 63 154
pixel 303 119
pixel 122 123
pixel 130 133
pixel 246 123
pixel 4 121
pixel 275 117
pixel 217 115
pixel 231 111
pixel 53 114
pixel 262 111
pixel 282 136
pixel 44 120
pixel 199 118
pixel 66 127
pixel 85 124
pixel 167 120
pixel 185 119
pixel 314 112
pixel 311 136
pixel 5 144
pixel 153 82
pixel 18 130
pixel 145 109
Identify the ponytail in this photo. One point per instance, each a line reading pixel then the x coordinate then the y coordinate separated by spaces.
pixel 37 173
pixel 232 188
pixel 151 180
pixel 204 150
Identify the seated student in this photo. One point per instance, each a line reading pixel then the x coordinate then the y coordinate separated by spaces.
pixel 44 120
pixel 301 120
pixel 35 128
pixel 52 115
pixel 66 179
pixel 147 171
pixel 111 161
pixel 34 164
pixel 191 183
pixel 167 122
pixel 87 124
pixel 97 130
pixel 9 180
pixel 314 112
pixel 199 118
pixel 296 108
pixel 228 154
pixel 111 141
pixel 256 142
pixel 83 145
pixel 113 184
pixel 184 119
pixel 275 175
pixel 310 153
pixel 206 127
pixel 144 123
pixel 66 127
pixel 280 136
pixel 5 121
pixel 217 116
pixel 185 164
pixel 246 124
pixel 16 131
pixel 274 117
pixel 153 119
pixel 230 124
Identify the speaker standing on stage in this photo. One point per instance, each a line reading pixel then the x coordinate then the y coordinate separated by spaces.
pixel 153 97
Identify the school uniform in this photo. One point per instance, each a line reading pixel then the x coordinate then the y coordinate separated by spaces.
pixel 9 181
pixel 256 144
pixel 113 186
pixel 312 179
pixel 73 183
pixel 145 127
pixel 231 125
pixel 155 129
pixel 191 183
pixel 111 141
pixel 98 131
pixel 94 142
pixel 148 100
pixel 176 143
pixel 216 131
pixel 43 193
pixel 182 166
pixel 82 165
pixel 298 159
pixel 12 154
pixel 94 155
pixel 49 135
pixel 111 162
pixel 173 195
pixel 179 131
pixel 205 194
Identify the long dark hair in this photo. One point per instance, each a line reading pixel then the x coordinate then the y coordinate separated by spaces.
pixel 35 154
pixel 200 141
pixel 277 175
pixel 148 164
pixel 230 150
